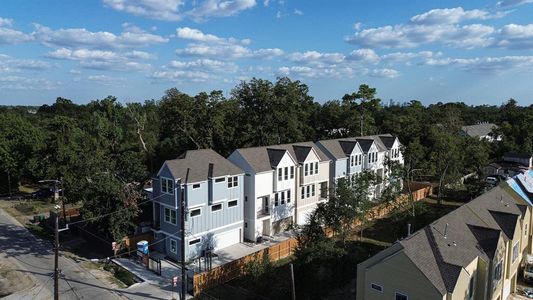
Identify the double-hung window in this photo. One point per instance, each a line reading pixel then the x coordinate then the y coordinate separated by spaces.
pixel 173 246
pixel 306 167
pixel 233 181
pixel 167 185
pixel 286 177
pixel 313 190
pixel 515 251
pixel 280 174
pixel 170 216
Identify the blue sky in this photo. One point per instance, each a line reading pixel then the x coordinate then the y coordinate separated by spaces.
pixel 478 52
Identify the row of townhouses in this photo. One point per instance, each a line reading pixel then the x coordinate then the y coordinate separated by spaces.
pixel 473 252
pixel 255 192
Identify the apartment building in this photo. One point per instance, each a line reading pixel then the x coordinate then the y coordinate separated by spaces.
pixel 351 156
pixel 283 185
pixel 471 253
pixel 211 189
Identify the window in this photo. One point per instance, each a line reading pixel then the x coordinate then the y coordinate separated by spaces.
pixel 470 294
pixel 245 198
pixel 167 185
pixel 276 200
pixel 313 190
pixel 282 198
pixel 195 186
pixel 376 287
pixel 306 172
pixel 498 271
pixel 286 173
pixel 316 167
pixel 233 182
pixel 515 252
pixel 280 174
pixel 196 212
pixel 302 192
pixel 216 207
pixel 218 180
pixel 173 246
pixel 308 194
pixel 352 160
pixel 311 169
pixel 289 196
pixel 245 224
pixel 292 172
pixel 400 296
pixel 170 216
pixel 232 203
pixel 194 242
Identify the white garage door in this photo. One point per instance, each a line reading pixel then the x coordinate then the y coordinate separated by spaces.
pixel 228 238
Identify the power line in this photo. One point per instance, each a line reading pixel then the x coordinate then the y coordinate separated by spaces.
pixel 71 288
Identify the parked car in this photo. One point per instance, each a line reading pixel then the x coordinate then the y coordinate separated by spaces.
pixel 491 180
pixel 44 193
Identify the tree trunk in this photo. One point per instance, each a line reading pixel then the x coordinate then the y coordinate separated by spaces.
pixel 439 200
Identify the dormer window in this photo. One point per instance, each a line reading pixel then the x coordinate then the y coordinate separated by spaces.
pixel 167 185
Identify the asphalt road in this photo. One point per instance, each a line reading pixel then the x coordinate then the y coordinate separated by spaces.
pixel 35 258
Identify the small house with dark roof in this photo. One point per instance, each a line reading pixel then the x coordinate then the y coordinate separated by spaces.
pixel 283 185
pixel 483 131
pixel 210 188
pixel 473 252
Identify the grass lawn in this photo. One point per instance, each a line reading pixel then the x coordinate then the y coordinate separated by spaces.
pixel 394 227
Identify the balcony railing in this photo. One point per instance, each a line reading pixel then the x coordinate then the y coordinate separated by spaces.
pixel 264 212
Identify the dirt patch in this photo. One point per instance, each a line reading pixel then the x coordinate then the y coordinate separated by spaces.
pixel 11 280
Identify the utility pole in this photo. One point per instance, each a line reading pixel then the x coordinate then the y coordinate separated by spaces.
pixel 292 280
pixel 56 256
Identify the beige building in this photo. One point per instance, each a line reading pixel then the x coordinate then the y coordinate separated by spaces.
pixel 471 253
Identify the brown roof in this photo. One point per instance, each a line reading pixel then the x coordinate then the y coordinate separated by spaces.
pixel 194 165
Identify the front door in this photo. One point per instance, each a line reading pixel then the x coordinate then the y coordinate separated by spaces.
pixel 266 227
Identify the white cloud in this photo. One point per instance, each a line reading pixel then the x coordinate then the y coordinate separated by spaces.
pixel 181 76
pixel 106 80
pixel 81 38
pixel 227 51
pixel 100 59
pixel 513 36
pixel 410 36
pixel 485 64
pixel 11 36
pixel 220 8
pixel 316 58
pixel 357 26
pixel 205 65
pixel 10 64
pixel 314 72
pixel 384 73
pixel 452 16
pixel 298 12
pixel 197 35
pixel 409 56
pixel 510 3
pixel 6 22
pixel 364 55
pixel 266 3
pixel 27 83
pixel 176 10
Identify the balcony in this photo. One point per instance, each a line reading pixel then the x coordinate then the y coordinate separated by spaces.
pixel 263 212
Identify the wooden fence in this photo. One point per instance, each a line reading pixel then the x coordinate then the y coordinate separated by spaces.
pixel 231 270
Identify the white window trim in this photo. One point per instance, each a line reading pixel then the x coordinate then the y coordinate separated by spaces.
pixel 197 208
pixel 175 248
pixel 161 185
pixel 222 181
pixel 218 203
pixel 231 201
pixel 165 216
pixel 372 288
pixel 400 293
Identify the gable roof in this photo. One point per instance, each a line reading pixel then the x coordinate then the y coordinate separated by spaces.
pixel 387 140
pixel 200 165
pixel 479 129
pixel 263 159
pixel 339 148
pixel 441 249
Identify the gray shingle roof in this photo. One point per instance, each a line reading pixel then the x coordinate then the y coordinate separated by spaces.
pixel 339 148
pixel 263 159
pixel 479 129
pixel 193 166
pixel 473 230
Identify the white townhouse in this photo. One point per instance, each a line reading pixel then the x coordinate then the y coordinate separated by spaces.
pixel 351 156
pixel 282 185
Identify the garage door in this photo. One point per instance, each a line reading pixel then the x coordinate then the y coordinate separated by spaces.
pixel 228 238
